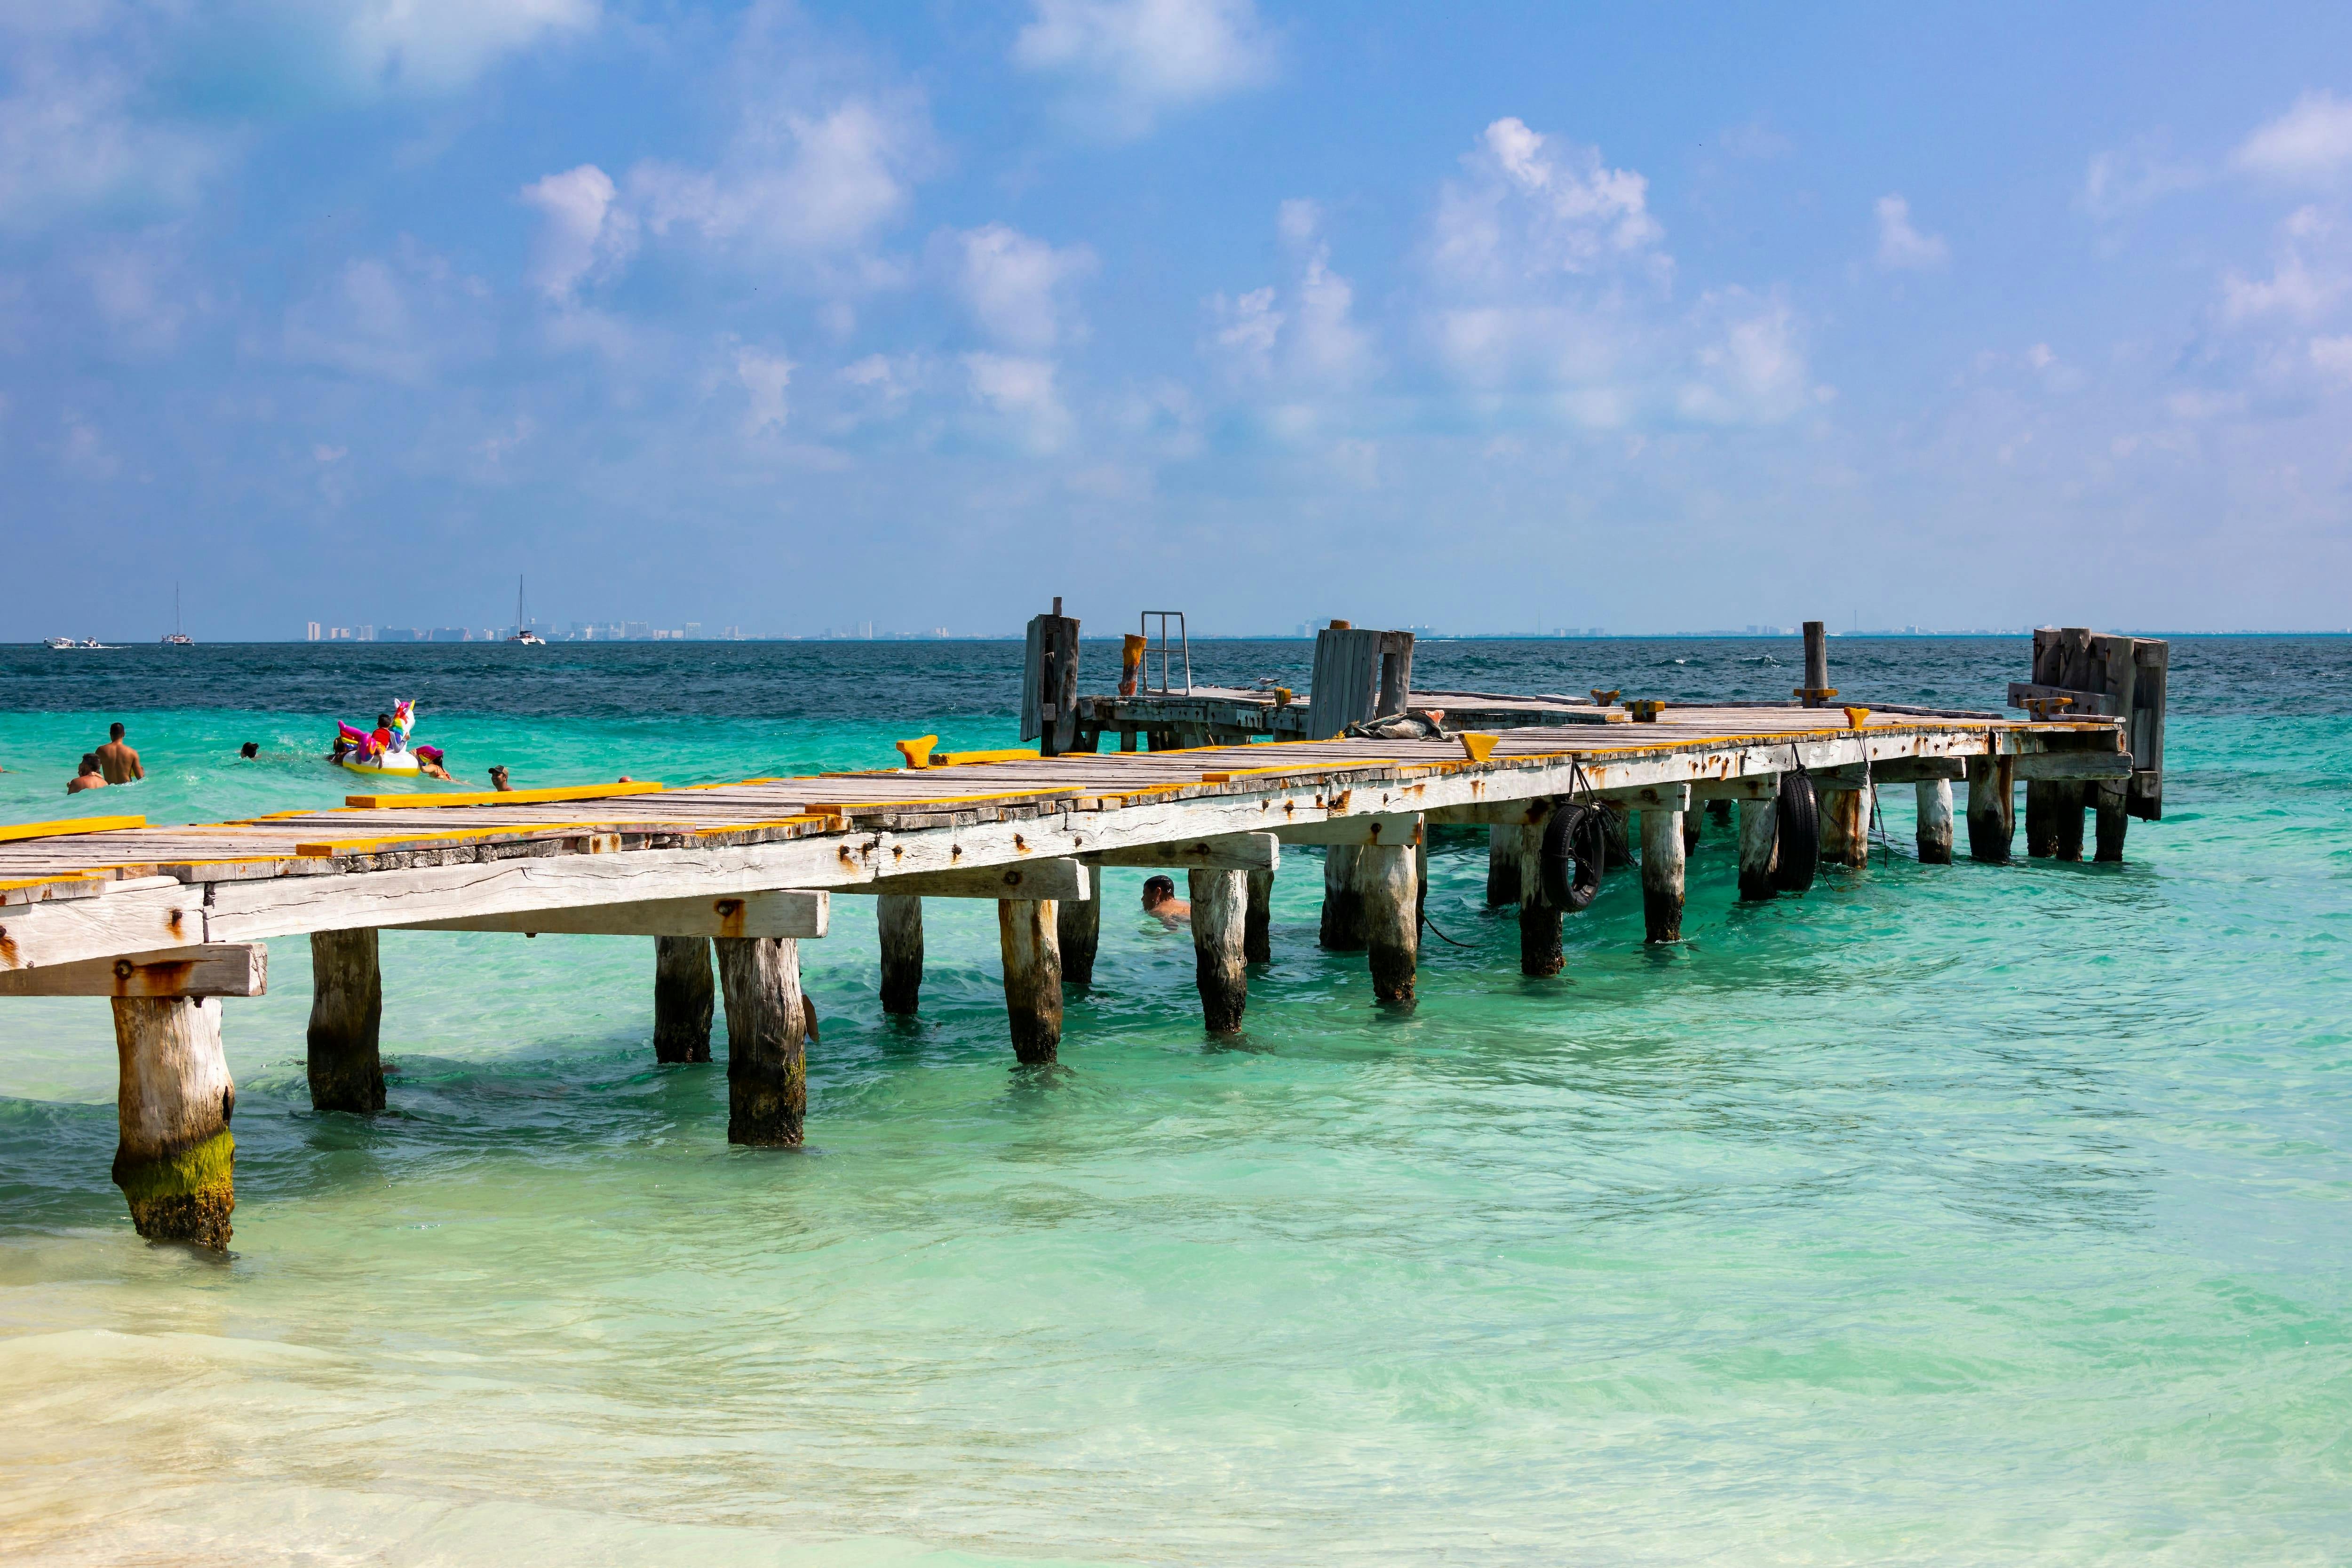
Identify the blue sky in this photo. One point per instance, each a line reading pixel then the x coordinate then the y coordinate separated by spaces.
pixel 1485 317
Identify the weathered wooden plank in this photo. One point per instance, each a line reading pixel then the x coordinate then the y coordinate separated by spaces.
pixel 1051 878
pixel 1354 832
pixel 769 914
pixel 1230 852
pixel 210 969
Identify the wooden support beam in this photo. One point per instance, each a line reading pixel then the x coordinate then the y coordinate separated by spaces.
pixel 900 916
pixel 1673 797
pixel 1077 928
pixel 1919 770
pixel 1220 917
pixel 1540 955
pixel 216 969
pixel 175 1160
pixel 1992 808
pixel 1031 945
pixel 1060 877
pixel 2046 767
pixel 1257 929
pixel 1749 786
pixel 1935 822
pixel 1759 844
pixel 1661 875
pixel 1398 827
pixel 345 1062
pixel 767 1040
pixel 1343 902
pixel 2113 805
pixel 684 998
pixel 772 914
pixel 1226 852
pixel 1389 889
pixel 1845 826
pixel 1501 866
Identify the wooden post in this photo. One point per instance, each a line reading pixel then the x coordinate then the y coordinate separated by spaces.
pixel 2113 800
pixel 1661 875
pixel 1691 821
pixel 1219 913
pixel 1992 820
pixel 1845 826
pixel 1078 930
pixel 176 1160
pixel 767 1040
pixel 1257 933
pixel 1617 827
pixel 1759 844
pixel 1540 922
pixel 1026 934
pixel 1343 903
pixel 900 916
pixel 346 1016
pixel 1049 682
pixel 2066 819
pixel 1390 899
pixel 1503 866
pixel 1817 665
pixel 683 999
pixel 1935 822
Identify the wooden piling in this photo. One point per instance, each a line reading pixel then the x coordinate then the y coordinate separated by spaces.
pixel 900 916
pixel 1691 821
pixel 684 999
pixel 1219 915
pixel 1388 882
pixel 1257 930
pixel 1935 822
pixel 1078 930
pixel 767 1040
pixel 1028 937
pixel 1845 827
pixel 1617 827
pixel 2112 802
pixel 1503 854
pixel 346 1063
pixel 1760 834
pixel 1539 920
pixel 2066 820
pixel 1816 692
pixel 1343 903
pixel 175 1161
pixel 1992 820
pixel 1661 875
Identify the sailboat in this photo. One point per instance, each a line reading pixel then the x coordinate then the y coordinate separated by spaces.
pixel 524 634
pixel 176 637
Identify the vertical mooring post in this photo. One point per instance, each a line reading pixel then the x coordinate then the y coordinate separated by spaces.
pixel 1935 822
pixel 1220 916
pixel 1540 955
pixel 175 1160
pixel 900 917
pixel 1845 826
pixel 1817 691
pixel 1503 853
pixel 684 999
pixel 1992 820
pixel 1759 844
pixel 346 1064
pixel 767 1040
pixel 1343 903
pixel 1257 930
pixel 1661 875
pixel 1049 682
pixel 1078 930
pixel 1029 938
pixel 2113 800
pixel 1387 878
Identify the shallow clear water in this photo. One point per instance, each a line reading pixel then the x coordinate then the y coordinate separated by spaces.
pixel 1945 1214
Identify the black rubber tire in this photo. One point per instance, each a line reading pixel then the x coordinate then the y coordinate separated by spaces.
pixel 1575 852
pixel 1800 835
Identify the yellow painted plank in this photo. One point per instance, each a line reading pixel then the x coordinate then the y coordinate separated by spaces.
pixel 446 836
pixel 505 797
pixel 14 831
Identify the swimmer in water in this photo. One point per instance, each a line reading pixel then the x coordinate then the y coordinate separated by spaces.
pixel 499 779
pixel 1160 900
pixel 88 777
pixel 432 761
pixel 117 760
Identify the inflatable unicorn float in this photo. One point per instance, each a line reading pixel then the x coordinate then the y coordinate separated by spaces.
pixel 385 749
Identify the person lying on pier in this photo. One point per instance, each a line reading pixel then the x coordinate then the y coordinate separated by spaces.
pixel 430 761
pixel 1160 900
pixel 88 776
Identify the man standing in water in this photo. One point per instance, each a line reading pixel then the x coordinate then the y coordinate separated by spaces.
pixel 117 761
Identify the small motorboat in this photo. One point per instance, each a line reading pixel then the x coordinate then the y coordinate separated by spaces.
pixel 60 642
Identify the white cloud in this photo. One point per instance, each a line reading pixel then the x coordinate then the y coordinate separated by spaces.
pixel 2118 183
pixel 1755 141
pixel 2295 289
pixel 72 138
pixel 764 377
pixel 440 46
pixel 1902 246
pixel 1132 61
pixel 1753 370
pixel 1315 343
pixel 1014 285
pixel 581 230
pixel 1245 330
pixel 1020 390
pixel 401 319
pixel 2333 357
pixel 144 296
pixel 2311 142
pixel 1533 206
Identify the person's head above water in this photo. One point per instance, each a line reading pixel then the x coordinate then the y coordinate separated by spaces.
pixel 249 750
pixel 1158 890
pixel 114 731
pixel 89 764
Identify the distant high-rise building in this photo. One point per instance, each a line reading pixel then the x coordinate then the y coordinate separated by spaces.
pixel 866 630
pixel 313 634
pixel 734 633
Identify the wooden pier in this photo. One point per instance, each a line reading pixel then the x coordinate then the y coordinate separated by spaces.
pixel 169 921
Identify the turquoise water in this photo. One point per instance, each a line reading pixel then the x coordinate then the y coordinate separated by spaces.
pixel 1957 1214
